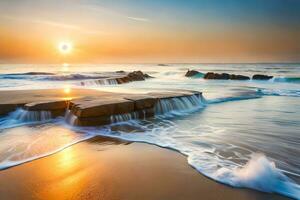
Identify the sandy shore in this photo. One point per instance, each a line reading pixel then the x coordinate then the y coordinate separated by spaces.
pixel 103 168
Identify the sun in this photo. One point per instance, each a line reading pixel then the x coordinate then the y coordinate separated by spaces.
pixel 65 47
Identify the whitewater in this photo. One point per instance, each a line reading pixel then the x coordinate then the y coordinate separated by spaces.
pixel 245 134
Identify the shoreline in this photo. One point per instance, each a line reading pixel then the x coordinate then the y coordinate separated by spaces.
pixel 108 168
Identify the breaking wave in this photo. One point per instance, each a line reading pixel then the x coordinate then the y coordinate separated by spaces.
pixel 279 92
pixel 259 174
pixel 287 79
pixel 50 76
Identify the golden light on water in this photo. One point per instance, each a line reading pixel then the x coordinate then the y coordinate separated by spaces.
pixel 65 67
pixel 65 47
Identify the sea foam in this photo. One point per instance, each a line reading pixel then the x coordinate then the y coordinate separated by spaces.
pixel 259 174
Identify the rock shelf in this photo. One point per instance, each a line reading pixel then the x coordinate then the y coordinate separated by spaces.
pixel 89 107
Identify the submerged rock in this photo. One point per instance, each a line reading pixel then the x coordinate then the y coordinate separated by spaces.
pixel 261 77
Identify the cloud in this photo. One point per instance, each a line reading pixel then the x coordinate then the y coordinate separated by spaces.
pixel 139 19
pixel 55 24
pixel 101 9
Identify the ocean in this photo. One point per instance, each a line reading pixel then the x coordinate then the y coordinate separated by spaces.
pixel 245 134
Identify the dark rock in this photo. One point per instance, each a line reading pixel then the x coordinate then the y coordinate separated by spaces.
pixel 261 77
pixel 142 102
pixel 191 73
pixel 47 105
pixel 138 76
pixel 148 76
pixel 120 72
pixel 211 75
pixel 7 108
pixel 225 76
pixel 239 77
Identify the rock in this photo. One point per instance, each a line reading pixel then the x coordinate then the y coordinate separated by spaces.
pixel 142 102
pixel 120 72
pixel 47 105
pixel 225 76
pixel 239 77
pixel 191 73
pixel 122 80
pixel 92 121
pixel 148 76
pixel 167 95
pixel 7 108
pixel 136 76
pixel 162 65
pixel 261 77
pixel 130 77
pixel 101 107
pixel 212 75
pixel 126 128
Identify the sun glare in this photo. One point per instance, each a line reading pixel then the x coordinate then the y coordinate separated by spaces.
pixel 65 47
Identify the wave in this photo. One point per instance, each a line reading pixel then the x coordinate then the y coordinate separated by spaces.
pixel 235 97
pixel 259 174
pixel 29 74
pixel 279 92
pixel 44 76
pixel 199 75
pixel 9 163
pixel 73 77
pixel 287 79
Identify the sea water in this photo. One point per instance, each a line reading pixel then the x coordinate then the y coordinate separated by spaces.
pixel 241 133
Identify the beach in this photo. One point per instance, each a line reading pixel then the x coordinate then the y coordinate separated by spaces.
pixel 180 132
pixel 104 168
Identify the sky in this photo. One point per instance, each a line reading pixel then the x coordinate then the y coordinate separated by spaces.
pixel 150 31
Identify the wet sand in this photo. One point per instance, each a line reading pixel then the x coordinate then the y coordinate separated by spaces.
pixel 103 168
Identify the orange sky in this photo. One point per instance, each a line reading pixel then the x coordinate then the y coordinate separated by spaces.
pixel 112 34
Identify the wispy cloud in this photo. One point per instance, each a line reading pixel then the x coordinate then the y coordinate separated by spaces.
pixel 54 24
pixel 139 19
pixel 100 9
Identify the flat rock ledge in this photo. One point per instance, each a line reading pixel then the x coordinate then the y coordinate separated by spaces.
pixel 95 108
pixel 93 111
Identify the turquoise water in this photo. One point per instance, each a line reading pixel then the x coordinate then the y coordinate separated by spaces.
pixel 243 133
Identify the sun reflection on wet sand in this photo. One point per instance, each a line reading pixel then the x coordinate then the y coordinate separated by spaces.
pixel 68 177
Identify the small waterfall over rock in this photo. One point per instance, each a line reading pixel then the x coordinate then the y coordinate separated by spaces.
pixel 110 81
pixel 179 104
pixel 124 117
pixel 70 118
pixel 30 116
